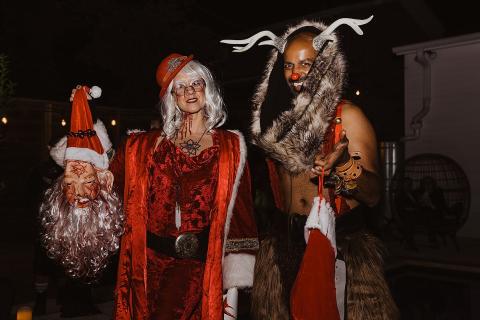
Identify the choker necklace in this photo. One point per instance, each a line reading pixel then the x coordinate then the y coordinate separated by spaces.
pixel 190 146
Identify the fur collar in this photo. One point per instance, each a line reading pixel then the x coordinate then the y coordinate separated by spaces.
pixel 295 135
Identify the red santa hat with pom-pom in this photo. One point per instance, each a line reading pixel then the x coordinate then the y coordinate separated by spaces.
pixel 85 141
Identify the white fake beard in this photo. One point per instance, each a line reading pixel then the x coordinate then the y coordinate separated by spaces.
pixel 81 239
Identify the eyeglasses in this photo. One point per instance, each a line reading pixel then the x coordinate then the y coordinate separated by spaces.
pixel 180 88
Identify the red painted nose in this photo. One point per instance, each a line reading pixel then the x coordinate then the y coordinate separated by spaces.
pixel 294 76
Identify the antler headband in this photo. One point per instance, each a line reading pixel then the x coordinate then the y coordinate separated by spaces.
pixel 279 43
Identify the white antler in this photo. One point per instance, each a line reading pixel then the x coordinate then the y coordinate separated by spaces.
pixel 274 41
pixel 327 33
pixel 353 23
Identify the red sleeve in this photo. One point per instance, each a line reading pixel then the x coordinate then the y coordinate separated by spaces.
pixel 243 236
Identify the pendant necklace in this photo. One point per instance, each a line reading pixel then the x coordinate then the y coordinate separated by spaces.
pixel 191 146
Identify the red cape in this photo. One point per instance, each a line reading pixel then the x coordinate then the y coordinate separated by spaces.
pixel 130 170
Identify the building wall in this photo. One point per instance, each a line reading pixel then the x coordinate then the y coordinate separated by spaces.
pixel 452 126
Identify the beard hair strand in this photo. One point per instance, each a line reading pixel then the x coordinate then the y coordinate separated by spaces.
pixel 81 239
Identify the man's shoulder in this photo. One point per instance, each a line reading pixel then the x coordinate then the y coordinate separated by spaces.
pixel 350 109
pixel 135 132
pixel 352 113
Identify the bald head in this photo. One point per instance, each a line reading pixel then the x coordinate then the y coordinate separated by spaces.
pixel 298 57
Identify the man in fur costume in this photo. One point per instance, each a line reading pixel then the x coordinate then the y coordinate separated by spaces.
pixel 81 215
pixel 308 131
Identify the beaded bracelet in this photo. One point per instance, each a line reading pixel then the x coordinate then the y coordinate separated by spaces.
pixel 345 166
pixel 350 170
pixel 346 188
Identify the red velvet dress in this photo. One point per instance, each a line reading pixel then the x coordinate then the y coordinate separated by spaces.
pixel 174 286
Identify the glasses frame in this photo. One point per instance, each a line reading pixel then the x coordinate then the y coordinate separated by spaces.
pixel 181 90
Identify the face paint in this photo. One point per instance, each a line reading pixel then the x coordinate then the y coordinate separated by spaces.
pixel 294 76
pixel 299 56
pixel 80 183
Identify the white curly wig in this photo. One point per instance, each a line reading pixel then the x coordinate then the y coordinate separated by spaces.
pixel 214 106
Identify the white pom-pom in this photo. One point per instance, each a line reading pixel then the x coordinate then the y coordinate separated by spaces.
pixel 95 92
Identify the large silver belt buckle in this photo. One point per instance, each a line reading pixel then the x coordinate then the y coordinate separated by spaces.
pixel 187 245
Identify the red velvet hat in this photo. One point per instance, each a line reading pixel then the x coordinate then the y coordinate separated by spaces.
pixel 85 141
pixel 169 68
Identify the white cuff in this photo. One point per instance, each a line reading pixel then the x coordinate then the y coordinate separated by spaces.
pixel 322 217
pixel 238 270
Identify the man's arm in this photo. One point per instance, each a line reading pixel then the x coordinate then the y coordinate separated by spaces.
pixel 363 142
pixel 357 140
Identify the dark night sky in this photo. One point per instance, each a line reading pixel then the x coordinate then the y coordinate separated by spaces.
pixel 55 44
pixel 117 44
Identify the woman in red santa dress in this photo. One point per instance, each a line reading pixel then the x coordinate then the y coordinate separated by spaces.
pixel 190 235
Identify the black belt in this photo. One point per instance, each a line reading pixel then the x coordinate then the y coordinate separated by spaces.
pixel 185 246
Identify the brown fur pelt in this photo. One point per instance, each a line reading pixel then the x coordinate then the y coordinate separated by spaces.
pixel 267 291
pixel 368 295
pixel 295 136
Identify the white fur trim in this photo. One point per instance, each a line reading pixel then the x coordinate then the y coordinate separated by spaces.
pixel 322 217
pixel 238 270
pixel 88 155
pixel 57 152
pixel 241 166
pixel 60 153
pixel 102 134
pixel 134 131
